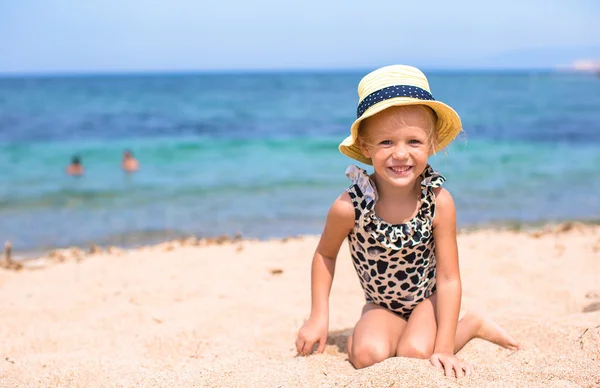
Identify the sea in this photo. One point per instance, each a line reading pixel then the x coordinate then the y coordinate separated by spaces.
pixel 256 153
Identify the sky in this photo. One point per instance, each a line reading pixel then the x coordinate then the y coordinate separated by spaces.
pixel 60 36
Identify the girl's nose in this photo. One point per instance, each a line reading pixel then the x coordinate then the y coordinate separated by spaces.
pixel 400 153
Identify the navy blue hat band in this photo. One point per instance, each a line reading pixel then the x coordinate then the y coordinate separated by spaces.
pixel 392 92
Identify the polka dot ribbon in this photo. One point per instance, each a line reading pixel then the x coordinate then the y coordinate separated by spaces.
pixel 392 92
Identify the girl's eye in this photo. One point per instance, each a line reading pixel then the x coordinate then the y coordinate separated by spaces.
pixel 386 142
pixel 415 141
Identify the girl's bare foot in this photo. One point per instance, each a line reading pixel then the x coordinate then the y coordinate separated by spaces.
pixel 485 328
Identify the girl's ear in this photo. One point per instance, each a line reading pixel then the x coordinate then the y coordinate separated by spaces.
pixel 363 147
pixel 431 150
pixel 432 144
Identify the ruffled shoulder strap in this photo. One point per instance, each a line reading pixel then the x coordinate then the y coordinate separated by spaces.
pixel 362 191
pixel 432 178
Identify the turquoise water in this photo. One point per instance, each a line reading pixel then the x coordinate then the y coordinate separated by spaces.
pixel 257 153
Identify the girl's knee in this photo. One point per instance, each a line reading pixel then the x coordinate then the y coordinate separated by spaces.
pixel 414 349
pixel 366 353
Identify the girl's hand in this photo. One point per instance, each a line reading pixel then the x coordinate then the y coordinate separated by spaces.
pixel 451 364
pixel 313 331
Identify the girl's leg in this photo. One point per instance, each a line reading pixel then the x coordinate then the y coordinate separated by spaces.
pixel 476 325
pixel 375 336
pixel 418 339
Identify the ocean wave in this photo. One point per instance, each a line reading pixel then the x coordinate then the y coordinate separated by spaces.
pixel 141 196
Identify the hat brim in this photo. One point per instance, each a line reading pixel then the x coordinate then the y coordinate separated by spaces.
pixel 447 128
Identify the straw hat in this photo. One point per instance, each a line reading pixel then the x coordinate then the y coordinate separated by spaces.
pixel 398 85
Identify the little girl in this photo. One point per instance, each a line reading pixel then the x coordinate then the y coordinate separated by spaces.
pixel 401 229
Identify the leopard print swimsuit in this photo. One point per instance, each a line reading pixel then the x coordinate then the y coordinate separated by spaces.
pixel 395 263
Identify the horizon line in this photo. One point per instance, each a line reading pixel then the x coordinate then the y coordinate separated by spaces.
pixel 250 71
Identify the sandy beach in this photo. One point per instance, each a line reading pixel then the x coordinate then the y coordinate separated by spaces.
pixel 226 313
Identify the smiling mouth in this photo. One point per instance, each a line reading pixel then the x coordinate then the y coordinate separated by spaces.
pixel 400 170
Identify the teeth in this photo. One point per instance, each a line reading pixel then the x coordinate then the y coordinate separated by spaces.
pixel 401 169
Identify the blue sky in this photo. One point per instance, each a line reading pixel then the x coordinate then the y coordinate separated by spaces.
pixel 47 36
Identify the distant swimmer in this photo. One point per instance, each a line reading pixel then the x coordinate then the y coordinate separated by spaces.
pixel 129 163
pixel 75 168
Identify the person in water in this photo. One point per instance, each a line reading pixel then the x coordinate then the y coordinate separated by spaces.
pixel 75 168
pixel 129 163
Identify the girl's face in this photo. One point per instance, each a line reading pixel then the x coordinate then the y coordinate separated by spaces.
pixel 398 141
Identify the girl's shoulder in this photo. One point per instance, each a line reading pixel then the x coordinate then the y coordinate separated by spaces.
pixel 342 212
pixel 343 203
pixel 445 210
pixel 443 197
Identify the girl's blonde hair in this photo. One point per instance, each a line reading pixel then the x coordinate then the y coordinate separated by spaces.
pixel 426 112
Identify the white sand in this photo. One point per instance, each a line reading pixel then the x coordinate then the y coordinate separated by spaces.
pixel 216 316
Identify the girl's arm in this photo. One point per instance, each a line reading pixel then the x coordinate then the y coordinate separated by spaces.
pixel 340 221
pixel 449 289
